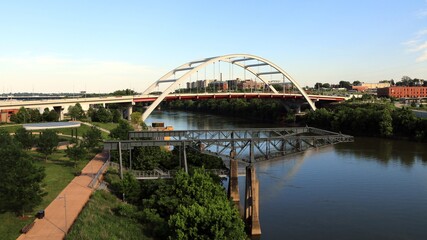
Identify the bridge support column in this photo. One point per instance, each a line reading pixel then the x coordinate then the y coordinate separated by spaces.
pixel 233 182
pixel 60 112
pixel 251 216
pixel 128 112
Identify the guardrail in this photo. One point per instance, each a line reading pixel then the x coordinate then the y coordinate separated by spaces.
pixel 97 177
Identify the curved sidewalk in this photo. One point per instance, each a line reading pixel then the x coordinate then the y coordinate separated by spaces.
pixel 65 208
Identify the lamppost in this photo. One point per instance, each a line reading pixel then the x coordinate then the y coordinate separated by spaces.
pixel 65 212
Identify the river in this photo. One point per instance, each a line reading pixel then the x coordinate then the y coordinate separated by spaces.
pixel 369 189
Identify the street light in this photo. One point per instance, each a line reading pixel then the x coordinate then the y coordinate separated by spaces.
pixel 65 213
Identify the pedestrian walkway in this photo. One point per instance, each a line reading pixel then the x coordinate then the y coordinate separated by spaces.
pixel 65 208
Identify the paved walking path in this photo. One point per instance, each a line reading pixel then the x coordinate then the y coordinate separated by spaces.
pixel 65 208
pixel 91 125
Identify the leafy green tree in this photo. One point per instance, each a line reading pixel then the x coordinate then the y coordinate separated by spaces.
pixel 121 131
pixel 50 116
pixel 195 207
pixel 124 92
pixel 130 188
pixel 91 112
pixel 318 85
pixel 104 115
pixel 76 112
pixel 24 137
pixel 47 142
pixel 345 84
pixel 92 138
pixel 357 83
pixel 136 118
pixel 5 138
pixel 148 158
pixel 326 85
pixel 386 124
pixel 22 116
pixel 76 152
pixel 35 115
pixel 116 115
pixel 21 183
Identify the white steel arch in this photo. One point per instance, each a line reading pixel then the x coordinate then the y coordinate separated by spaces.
pixel 236 59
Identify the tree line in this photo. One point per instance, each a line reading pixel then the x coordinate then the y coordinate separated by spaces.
pixel 266 110
pixel 369 119
pixel 33 115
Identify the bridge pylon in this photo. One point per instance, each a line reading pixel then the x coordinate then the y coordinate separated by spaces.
pixel 233 182
pixel 251 215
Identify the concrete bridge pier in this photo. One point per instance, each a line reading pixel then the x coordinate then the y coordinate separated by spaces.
pixel 128 111
pixel 251 214
pixel 233 182
pixel 60 111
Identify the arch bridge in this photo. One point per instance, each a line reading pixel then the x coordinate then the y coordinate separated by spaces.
pixel 260 67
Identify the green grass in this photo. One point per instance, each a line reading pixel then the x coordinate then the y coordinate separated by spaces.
pixel 98 221
pixel 59 172
pixel 11 128
pixel 108 126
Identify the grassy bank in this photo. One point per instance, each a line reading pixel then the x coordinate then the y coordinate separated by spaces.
pixel 59 172
pixel 99 220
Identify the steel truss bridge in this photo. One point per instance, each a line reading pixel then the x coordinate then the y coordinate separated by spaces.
pixel 247 145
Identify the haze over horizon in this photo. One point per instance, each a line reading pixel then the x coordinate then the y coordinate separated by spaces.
pixel 101 46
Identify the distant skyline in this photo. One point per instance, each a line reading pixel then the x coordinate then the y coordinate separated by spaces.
pixel 102 46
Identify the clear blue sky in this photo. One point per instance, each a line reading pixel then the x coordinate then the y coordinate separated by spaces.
pixel 101 46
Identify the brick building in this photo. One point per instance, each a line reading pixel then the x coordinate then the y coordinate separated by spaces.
pixel 6 113
pixel 402 92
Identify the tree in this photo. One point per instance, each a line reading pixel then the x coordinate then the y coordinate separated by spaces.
pixel 116 115
pixel 92 137
pixel 22 116
pixel 21 184
pixel 35 115
pixel 124 92
pixel 386 123
pixel 357 83
pixel 326 85
pixel 24 137
pixel 5 138
pixel 47 143
pixel 345 84
pixel 76 112
pixel 50 116
pixel 76 152
pixel 121 131
pixel 195 207
pixel 136 118
pixel 103 115
pixel 130 188
pixel 318 85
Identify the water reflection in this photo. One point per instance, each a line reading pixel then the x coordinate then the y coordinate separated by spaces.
pixel 384 151
pixel 369 189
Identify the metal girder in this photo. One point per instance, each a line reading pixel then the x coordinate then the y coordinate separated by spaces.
pixel 222 134
pixel 183 69
pixel 200 61
pixel 259 144
pixel 242 60
pixel 167 80
pixel 256 65
pixel 267 73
